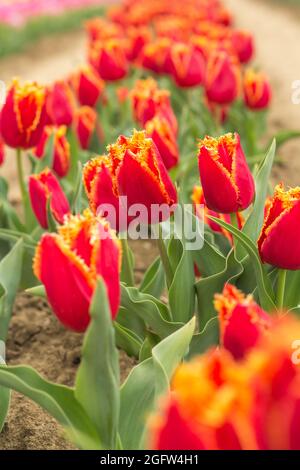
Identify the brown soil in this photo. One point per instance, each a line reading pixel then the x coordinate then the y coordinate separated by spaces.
pixel 35 336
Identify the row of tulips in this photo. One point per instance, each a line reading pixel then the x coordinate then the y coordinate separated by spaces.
pixel 212 329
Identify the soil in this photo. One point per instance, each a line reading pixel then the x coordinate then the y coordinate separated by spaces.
pixel 35 337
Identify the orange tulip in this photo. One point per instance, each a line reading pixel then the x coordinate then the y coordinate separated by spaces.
pixel 186 65
pixel 68 264
pixel 161 133
pixel 85 125
pixel 257 90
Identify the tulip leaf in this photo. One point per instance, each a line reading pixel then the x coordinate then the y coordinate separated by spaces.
pixel 265 289
pixel 127 340
pixel 76 204
pixel 97 380
pixel 37 291
pixel 153 312
pixel 72 176
pixel 284 136
pixel 146 382
pixel 58 400
pixel 4 392
pixel 254 222
pixel 206 339
pixel 207 287
pixel 154 279
pixel 292 290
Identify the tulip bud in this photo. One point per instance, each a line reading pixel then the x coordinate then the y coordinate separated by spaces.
pixel 186 64
pixel 43 188
pixel 160 131
pixel 69 263
pixel 23 115
pixel 242 43
pixel 257 90
pixel 223 78
pixel 278 243
pixel 227 182
pixel 62 155
pixel 60 104
pixel 89 87
pixel 242 321
pixel 109 59
pixel 85 125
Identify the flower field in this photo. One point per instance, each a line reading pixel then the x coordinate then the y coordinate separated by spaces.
pixel 158 142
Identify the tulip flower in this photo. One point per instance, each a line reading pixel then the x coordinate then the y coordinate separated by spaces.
pixel 161 133
pixel 2 151
pixel 68 264
pixel 44 188
pixel 202 211
pixel 149 101
pixel 242 321
pixel 23 115
pixel 223 79
pixel 186 65
pixel 109 59
pixel 242 43
pixel 257 90
pixel 217 403
pixel 85 125
pixel 133 168
pixel 278 243
pixel 62 155
pixel 154 55
pixel 60 104
pixel 227 182
pixel 89 87
pixel 137 38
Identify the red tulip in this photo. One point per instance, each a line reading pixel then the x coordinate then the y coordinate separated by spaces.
pixel 242 321
pixel 133 168
pixel 68 264
pixel 62 156
pixel 23 115
pixel 60 104
pixel 227 183
pixel 89 87
pixel 43 188
pixel 85 125
pixel 223 78
pixel 278 243
pixel 161 133
pixel 137 37
pixel 257 90
pixel 218 403
pixel 2 151
pixel 205 213
pixel 109 59
pixel 154 55
pixel 186 65
pixel 242 43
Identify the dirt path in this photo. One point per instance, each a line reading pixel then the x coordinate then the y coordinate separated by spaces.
pixel 277 35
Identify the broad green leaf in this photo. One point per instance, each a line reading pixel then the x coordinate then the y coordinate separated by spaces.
pixel 208 338
pixel 97 380
pixel 265 290
pixel 4 392
pixel 37 291
pixel 59 401
pixel 127 340
pixel 146 382
pixel 154 279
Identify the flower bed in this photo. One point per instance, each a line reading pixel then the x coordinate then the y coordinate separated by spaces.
pixel 170 118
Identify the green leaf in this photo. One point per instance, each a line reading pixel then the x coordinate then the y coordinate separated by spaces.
pixel 127 340
pixel 284 136
pixel 209 337
pixel 146 382
pixel 76 204
pixel 72 176
pixel 265 289
pixel 4 392
pixel 59 401
pixel 47 160
pixel 97 380
pixel 154 279
pixel 37 291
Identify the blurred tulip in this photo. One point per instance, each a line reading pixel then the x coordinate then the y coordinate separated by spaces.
pixel 133 168
pixel 62 155
pixel 137 38
pixel 205 213
pixel 154 55
pixel 68 264
pixel 60 104
pixel 23 115
pixel 257 90
pixel 109 59
pixel 186 65
pixel 242 321
pixel 2 151
pixel 217 403
pixel 89 87
pixel 227 182
pixel 278 243
pixel 242 42
pixel 85 125
pixel 223 78
pixel 44 188
pixel 161 133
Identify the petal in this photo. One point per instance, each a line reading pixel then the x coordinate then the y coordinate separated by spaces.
pixel 242 176
pixel 38 198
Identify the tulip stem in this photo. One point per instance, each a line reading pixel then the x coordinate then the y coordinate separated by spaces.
pixel 164 257
pixel 21 180
pixel 281 288
pixel 127 269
